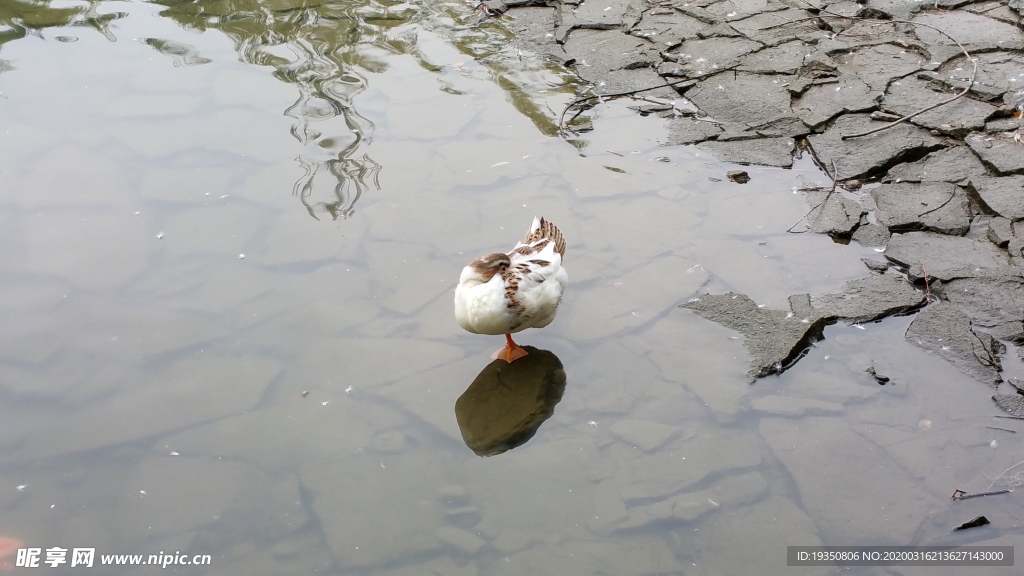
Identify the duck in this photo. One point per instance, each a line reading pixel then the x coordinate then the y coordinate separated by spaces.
pixel 508 292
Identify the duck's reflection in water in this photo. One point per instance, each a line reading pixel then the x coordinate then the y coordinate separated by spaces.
pixel 507 403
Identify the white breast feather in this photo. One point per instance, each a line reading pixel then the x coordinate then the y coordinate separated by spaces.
pixel 483 308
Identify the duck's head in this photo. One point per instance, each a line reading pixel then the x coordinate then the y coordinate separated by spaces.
pixel 485 267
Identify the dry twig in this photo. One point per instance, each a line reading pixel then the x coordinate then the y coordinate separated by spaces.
pixel 927 288
pixel 1004 474
pixel 970 84
pixel 561 124
pixel 961 495
pixel 835 179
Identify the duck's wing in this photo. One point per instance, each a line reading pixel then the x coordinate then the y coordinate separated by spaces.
pixel 540 235
pixel 534 284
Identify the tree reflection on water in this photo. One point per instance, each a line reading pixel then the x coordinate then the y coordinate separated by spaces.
pixel 323 47
pixel 316 46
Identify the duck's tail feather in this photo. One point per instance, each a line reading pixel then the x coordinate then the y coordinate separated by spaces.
pixel 544 230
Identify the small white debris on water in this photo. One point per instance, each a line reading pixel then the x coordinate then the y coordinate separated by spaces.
pixel 499 164
pixel 241 256
pixel 143 492
pixel 592 423
pixel 22 487
pixel 993 444
pixel 159 235
pixel 347 390
pixel 175 454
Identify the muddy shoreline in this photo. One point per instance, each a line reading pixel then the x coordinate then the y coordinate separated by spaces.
pixel 753 81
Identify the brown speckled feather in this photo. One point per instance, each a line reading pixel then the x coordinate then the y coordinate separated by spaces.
pixel 546 231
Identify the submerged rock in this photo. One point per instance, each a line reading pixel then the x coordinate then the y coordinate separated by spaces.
pixel 795 407
pixel 946 332
pixel 643 434
pixel 870 298
pixel 682 131
pixel 764 151
pixel 535 30
pixel 871 235
pixel 738 176
pixel 832 213
pixel 1013 404
pixel 774 338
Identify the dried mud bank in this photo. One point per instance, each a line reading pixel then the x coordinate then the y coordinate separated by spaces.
pixel 752 80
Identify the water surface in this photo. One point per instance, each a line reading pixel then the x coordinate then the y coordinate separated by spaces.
pixel 231 232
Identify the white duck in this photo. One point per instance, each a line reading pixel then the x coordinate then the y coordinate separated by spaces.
pixel 505 293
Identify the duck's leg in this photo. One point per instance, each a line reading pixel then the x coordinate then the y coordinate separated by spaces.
pixel 510 352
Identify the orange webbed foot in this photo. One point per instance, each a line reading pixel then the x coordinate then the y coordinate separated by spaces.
pixel 510 352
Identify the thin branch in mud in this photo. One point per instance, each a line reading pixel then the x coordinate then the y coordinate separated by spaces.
pixel 1014 482
pixel 1010 418
pixel 786 23
pixel 988 360
pixel 948 200
pixel 927 288
pixel 961 495
pixel 1003 429
pixel 921 111
pixel 835 179
pixel 970 84
pixel 561 123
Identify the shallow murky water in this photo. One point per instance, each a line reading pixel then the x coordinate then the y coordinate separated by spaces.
pixel 231 231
